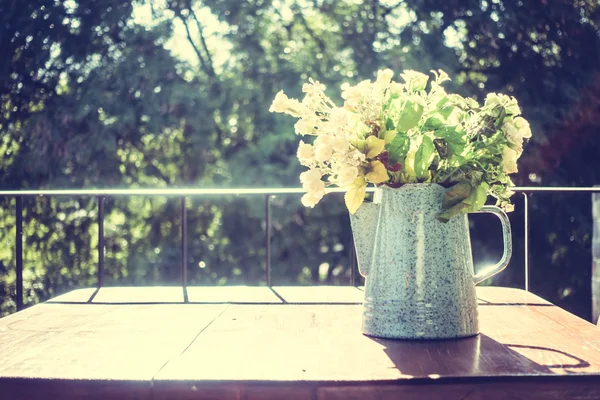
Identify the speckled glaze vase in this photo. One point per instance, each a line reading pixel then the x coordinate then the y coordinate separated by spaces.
pixel 420 282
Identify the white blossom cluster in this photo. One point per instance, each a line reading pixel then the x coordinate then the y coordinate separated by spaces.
pixel 516 129
pixel 332 154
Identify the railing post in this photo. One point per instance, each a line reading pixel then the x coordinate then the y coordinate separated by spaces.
pixel 353 264
pixel 268 239
pixel 100 241
pixel 183 243
pixel 19 251
pixel 526 236
pixel 595 257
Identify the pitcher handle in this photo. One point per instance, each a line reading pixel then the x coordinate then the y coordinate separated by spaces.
pixel 488 272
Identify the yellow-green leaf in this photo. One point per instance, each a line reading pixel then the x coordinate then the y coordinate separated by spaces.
pixel 378 173
pixel 355 195
pixel 424 157
pixel 359 144
pixel 374 146
pixel 409 161
pixel 389 136
pixel 410 114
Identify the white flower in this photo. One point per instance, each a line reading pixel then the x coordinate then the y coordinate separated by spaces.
pixel 323 152
pixel 311 199
pixel 306 153
pixel 279 103
pixel 340 144
pixel 512 132
pixel 283 104
pixel 523 126
pixel 311 180
pixel 346 175
pixel 396 88
pixel 415 80
pixel 493 101
pixel 516 129
pixel 323 148
pixel 512 108
pixel 353 95
pixel 304 126
pixel 384 77
pixel 509 161
pixel 339 116
pixel 440 76
pixel 314 186
pixel 313 86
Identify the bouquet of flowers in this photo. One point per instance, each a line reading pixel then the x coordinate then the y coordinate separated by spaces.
pixel 391 133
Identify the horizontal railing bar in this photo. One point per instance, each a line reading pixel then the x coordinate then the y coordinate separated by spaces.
pixel 531 189
pixel 156 192
pixel 222 192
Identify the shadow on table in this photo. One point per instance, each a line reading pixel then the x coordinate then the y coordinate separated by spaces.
pixel 475 356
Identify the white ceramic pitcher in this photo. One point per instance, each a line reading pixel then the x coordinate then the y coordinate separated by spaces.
pixel 420 282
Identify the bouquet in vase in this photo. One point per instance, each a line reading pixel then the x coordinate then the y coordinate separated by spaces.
pixel 393 133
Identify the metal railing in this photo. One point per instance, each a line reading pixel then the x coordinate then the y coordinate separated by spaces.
pixel 183 194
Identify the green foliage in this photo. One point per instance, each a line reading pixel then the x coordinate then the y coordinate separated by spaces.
pixel 408 115
pixel 424 157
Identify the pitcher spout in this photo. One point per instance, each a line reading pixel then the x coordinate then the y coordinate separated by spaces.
pixel 364 224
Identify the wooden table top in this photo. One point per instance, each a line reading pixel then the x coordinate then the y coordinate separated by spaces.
pixel 285 343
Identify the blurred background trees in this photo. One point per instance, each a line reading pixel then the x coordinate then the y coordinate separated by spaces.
pixel 175 93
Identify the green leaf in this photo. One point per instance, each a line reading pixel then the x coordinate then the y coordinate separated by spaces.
pixel 424 156
pixel 456 194
pixel 479 196
pixel 450 133
pixel 446 111
pixel 456 140
pixel 410 114
pixel 454 201
pixel 442 102
pixel 446 215
pixel 389 136
pixel 389 125
pixel 462 198
pixel 398 148
pixel 433 123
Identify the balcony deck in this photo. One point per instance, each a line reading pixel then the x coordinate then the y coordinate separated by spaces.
pixel 285 342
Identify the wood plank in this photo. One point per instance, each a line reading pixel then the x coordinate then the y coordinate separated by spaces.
pixel 84 295
pixel 232 294
pixel 99 342
pixel 149 294
pixel 492 295
pixel 320 294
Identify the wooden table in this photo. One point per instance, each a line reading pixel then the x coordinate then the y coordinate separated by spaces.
pixel 285 343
